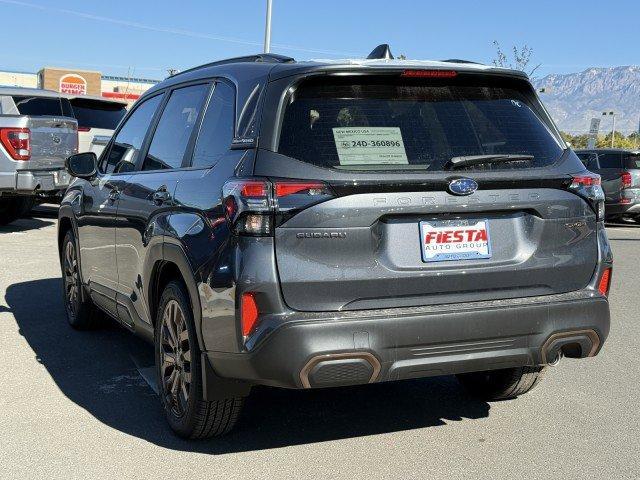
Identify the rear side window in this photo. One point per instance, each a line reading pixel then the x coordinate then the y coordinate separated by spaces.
pixel 175 128
pixel 397 124
pixel 610 160
pixel 632 162
pixel 216 132
pixel 97 114
pixel 590 160
pixel 28 105
pixel 126 146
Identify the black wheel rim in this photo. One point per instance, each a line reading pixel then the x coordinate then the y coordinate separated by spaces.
pixel 175 359
pixel 71 278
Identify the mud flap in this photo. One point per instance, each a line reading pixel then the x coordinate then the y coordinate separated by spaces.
pixel 218 388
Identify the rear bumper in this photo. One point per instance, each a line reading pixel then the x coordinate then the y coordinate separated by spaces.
pixel 614 209
pixel 346 348
pixel 34 181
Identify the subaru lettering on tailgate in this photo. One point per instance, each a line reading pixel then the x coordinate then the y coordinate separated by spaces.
pixel 447 240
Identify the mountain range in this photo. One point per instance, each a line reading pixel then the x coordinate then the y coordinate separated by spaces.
pixel 574 98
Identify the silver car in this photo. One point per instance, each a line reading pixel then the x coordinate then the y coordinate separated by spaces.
pixel 37 133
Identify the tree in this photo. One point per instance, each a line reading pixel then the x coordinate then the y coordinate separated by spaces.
pixel 520 61
pixel 603 141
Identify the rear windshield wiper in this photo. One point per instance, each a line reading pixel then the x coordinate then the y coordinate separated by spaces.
pixel 470 160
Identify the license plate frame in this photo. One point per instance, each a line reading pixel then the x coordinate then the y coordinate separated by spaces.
pixel 443 250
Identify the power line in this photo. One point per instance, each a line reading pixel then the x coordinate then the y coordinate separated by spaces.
pixel 173 31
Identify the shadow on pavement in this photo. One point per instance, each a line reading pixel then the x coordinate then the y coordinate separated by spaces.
pixel 97 370
pixel 25 224
pixel 39 217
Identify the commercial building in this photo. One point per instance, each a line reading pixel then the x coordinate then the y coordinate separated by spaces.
pixel 80 82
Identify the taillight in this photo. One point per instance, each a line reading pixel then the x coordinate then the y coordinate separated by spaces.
pixel 586 181
pixel 84 129
pixel 605 282
pixel 588 186
pixel 248 313
pixel 627 180
pixel 284 189
pixel 248 206
pixel 254 206
pixel 430 73
pixel 17 142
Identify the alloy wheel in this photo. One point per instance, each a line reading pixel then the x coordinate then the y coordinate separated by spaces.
pixel 175 359
pixel 71 286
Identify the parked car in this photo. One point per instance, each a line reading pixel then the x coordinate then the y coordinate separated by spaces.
pixel 264 221
pixel 620 172
pixel 37 133
pixel 96 116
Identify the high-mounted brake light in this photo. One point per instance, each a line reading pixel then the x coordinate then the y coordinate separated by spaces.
pixel 627 180
pixel 430 73
pixel 605 282
pixel 248 313
pixel 17 142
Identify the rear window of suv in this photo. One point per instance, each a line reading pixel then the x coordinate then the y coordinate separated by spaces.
pixel 97 114
pixel 632 162
pixel 415 124
pixel 36 105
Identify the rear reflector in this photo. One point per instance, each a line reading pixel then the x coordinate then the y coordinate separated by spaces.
pixel 605 282
pixel 17 142
pixel 627 180
pixel 430 73
pixel 248 313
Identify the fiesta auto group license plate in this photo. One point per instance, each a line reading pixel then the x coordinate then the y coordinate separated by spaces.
pixel 454 240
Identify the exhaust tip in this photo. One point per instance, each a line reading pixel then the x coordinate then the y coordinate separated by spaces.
pixel 340 369
pixel 573 344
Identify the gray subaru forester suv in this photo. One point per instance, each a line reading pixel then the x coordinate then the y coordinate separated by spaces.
pixel 264 221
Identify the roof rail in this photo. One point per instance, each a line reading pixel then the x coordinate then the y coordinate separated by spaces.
pixel 457 60
pixel 259 58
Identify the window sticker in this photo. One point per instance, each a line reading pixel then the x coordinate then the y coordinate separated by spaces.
pixel 370 146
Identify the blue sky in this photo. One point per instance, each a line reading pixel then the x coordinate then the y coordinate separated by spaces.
pixel 143 37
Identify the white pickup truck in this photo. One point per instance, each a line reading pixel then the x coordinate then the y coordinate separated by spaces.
pixel 38 132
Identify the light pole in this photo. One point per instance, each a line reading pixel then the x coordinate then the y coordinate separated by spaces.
pixel 267 29
pixel 613 128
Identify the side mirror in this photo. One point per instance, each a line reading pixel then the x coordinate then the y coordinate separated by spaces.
pixel 82 165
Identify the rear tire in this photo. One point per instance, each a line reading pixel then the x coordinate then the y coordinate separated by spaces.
pixel 12 208
pixel 179 372
pixel 80 311
pixel 501 384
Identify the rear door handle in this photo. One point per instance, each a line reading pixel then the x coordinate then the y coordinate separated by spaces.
pixel 161 196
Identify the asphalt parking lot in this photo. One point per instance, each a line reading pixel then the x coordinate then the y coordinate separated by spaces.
pixel 77 405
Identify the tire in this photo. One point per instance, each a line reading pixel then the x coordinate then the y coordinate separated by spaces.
pixel 501 384
pixel 12 208
pixel 80 311
pixel 178 369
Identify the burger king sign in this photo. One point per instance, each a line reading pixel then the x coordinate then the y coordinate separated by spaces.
pixel 73 84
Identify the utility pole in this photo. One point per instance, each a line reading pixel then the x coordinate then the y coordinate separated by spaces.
pixel 613 128
pixel 267 29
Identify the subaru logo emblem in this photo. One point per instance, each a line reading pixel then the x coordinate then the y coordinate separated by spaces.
pixel 463 186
